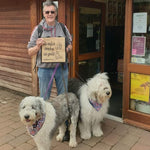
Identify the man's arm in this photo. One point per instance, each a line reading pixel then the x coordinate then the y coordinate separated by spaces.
pixel 33 50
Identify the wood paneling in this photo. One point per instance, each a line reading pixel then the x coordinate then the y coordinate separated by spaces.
pixel 15 29
pixel 75 37
pixel 18 19
pixel 127 40
pixel 62 12
pixel 33 19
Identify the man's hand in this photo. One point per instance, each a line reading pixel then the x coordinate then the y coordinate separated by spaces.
pixel 40 42
pixel 69 48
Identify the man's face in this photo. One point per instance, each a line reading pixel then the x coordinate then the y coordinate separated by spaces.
pixel 50 14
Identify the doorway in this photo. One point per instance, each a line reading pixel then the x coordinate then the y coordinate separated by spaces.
pixel 114 53
pixel 89 45
pixel 114 66
pixel 99 45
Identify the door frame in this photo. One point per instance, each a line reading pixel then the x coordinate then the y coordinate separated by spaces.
pixel 130 116
pixel 76 56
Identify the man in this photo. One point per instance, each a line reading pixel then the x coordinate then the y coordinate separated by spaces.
pixel 51 28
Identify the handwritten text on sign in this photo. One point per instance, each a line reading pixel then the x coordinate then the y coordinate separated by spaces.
pixel 53 50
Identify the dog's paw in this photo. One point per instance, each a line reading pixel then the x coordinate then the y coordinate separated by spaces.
pixel 98 134
pixel 72 143
pixel 59 138
pixel 86 136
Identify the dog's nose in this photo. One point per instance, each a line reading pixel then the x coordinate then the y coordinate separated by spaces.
pixel 107 92
pixel 26 116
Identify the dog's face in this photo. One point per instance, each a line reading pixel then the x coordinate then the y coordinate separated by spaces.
pixel 104 92
pixel 101 90
pixel 30 110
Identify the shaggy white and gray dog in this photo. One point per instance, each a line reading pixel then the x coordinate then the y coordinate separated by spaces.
pixel 42 118
pixel 94 98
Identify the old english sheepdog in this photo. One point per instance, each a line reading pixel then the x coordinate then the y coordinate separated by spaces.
pixel 42 118
pixel 94 98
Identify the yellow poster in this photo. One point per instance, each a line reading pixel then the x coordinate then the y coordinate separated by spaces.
pixel 140 85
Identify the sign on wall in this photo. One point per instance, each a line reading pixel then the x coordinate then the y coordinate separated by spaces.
pixel 140 22
pixel 140 86
pixel 138 45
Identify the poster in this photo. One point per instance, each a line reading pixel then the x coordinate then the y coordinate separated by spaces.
pixel 139 22
pixel 138 45
pixel 54 50
pixel 138 60
pixel 140 85
pixel 89 30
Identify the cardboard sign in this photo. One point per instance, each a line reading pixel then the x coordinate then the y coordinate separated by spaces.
pixel 54 50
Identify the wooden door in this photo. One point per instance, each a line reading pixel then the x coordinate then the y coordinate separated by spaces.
pixel 88 38
pixel 136 86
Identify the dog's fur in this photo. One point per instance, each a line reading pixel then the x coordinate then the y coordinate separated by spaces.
pixel 57 112
pixel 99 90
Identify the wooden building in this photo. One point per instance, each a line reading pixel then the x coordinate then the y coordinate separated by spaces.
pixel 18 19
pixel 15 29
pixel 103 33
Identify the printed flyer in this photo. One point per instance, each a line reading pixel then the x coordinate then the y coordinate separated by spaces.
pixel 140 22
pixel 138 45
pixel 140 85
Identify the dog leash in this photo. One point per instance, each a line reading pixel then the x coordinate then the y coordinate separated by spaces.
pixel 65 95
pixel 51 80
pixel 65 87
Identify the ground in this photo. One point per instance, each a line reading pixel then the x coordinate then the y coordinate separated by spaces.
pixel 13 135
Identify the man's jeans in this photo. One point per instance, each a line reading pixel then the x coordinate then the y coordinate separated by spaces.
pixel 45 74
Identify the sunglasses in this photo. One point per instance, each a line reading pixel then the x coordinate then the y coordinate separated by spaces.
pixel 47 12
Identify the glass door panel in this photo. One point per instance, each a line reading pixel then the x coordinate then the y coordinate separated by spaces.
pixel 140 49
pixel 88 68
pixel 89 29
pixel 139 93
pixel 136 93
pixel 140 54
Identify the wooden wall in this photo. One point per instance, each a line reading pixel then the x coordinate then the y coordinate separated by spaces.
pixel 15 30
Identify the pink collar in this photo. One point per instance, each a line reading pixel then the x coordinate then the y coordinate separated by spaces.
pixel 33 130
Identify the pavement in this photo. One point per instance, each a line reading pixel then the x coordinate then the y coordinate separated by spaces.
pixel 13 135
